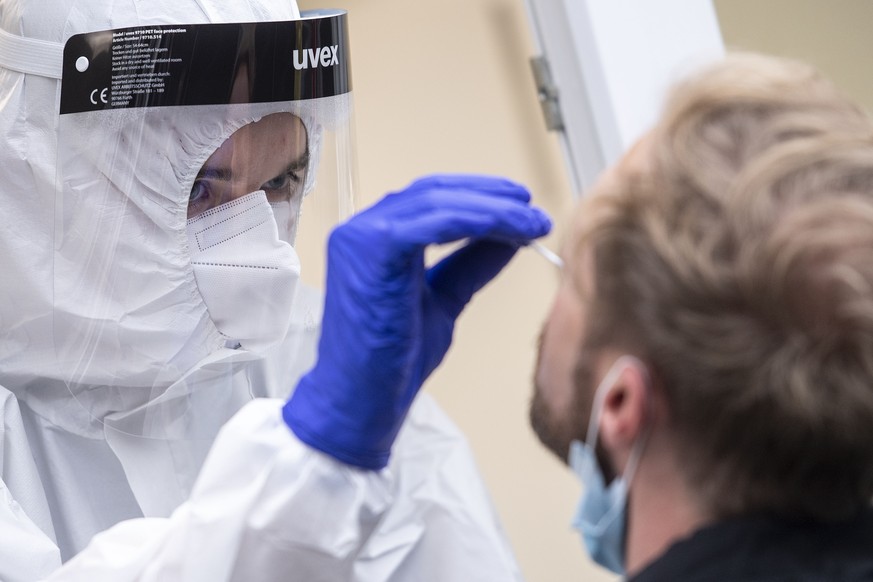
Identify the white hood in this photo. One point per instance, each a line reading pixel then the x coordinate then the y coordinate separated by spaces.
pixel 96 289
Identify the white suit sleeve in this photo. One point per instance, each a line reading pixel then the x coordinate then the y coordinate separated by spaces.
pixel 266 507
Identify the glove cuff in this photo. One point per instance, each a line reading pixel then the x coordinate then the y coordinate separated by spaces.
pixel 321 432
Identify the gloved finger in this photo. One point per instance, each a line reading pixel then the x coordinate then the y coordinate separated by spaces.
pixel 446 227
pixel 485 184
pixel 447 216
pixel 456 278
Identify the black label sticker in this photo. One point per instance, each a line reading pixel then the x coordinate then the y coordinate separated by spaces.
pixel 206 64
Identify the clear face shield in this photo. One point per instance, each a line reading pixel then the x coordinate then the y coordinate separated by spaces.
pixel 200 170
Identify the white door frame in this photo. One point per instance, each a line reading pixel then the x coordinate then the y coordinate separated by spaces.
pixel 606 66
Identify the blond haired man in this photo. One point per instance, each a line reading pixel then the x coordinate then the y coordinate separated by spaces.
pixel 707 368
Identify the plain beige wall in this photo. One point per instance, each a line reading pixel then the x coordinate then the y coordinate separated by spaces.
pixel 834 35
pixel 446 86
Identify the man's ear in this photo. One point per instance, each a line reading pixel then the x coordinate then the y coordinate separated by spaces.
pixel 625 412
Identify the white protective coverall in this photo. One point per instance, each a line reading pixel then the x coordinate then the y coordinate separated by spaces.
pixel 86 498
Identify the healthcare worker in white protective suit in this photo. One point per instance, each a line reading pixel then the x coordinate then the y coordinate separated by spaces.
pixel 152 178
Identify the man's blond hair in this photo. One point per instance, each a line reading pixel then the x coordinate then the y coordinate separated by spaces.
pixel 740 266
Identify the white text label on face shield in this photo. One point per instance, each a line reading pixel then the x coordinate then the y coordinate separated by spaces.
pixel 322 56
pixel 173 65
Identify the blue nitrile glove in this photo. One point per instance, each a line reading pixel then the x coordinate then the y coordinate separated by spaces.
pixel 388 319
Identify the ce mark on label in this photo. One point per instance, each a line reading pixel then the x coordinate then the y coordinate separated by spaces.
pixel 99 94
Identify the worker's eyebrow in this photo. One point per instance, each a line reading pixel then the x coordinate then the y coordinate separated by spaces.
pixel 301 162
pixel 226 174
pixel 222 174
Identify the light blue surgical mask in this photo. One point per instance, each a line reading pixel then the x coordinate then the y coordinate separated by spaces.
pixel 601 517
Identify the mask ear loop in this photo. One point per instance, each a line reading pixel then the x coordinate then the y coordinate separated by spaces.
pixel 591 439
pixel 597 410
pixel 609 381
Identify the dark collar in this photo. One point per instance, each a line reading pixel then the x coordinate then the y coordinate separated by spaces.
pixel 763 548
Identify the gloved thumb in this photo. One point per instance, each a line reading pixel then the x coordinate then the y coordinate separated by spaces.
pixel 454 280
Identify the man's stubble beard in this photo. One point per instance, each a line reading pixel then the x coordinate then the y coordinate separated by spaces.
pixel 557 429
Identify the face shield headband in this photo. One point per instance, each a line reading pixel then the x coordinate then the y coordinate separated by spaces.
pixel 152 117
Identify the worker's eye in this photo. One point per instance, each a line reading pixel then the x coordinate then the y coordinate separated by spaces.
pixel 201 197
pixel 283 181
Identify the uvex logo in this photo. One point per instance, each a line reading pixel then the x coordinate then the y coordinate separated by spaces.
pixel 324 56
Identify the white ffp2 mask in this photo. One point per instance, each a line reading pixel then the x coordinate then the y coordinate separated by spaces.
pixel 246 275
